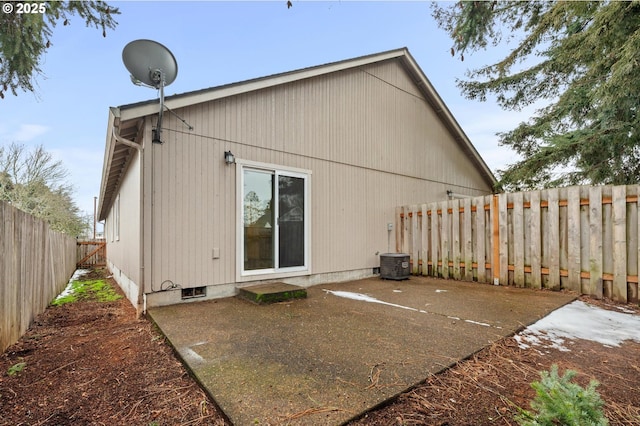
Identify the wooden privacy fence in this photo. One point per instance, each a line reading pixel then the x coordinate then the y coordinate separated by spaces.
pixel 91 254
pixel 35 266
pixel 582 238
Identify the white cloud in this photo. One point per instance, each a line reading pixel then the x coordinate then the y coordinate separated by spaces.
pixel 27 132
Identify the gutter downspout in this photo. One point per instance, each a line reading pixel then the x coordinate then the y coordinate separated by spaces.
pixel 141 302
pixel 124 141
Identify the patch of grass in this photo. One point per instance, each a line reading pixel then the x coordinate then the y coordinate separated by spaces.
pixel 68 298
pixel 98 290
pixel 16 368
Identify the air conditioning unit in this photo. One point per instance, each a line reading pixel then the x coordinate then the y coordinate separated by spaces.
pixel 394 266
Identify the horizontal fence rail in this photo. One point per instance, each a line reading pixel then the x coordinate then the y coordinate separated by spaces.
pixel 35 266
pixel 582 238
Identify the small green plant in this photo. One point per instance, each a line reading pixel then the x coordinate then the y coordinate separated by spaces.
pixel 16 368
pixel 558 401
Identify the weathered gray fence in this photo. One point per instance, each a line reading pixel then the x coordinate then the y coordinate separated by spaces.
pixel 582 238
pixel 35 266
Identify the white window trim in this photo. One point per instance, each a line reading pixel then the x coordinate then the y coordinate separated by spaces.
pixel 264 274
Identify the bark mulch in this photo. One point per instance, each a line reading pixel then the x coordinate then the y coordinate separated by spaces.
pixel 94 363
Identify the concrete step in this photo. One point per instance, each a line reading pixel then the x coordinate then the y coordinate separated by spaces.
pixel 263 294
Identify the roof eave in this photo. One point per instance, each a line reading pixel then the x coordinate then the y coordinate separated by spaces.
pixel 114 116
pixel 119 151
pixel 205 95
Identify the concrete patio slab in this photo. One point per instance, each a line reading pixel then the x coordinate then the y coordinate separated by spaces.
pixel 344 349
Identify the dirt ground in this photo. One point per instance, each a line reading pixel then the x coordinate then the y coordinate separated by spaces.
pixel 94 363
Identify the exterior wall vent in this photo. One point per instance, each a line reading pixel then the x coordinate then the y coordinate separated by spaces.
pixel 394 266
pixel 189 293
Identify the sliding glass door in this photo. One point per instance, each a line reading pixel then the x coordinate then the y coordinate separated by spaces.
pixel 274 221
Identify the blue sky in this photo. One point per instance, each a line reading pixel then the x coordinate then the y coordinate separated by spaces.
pixel 216 43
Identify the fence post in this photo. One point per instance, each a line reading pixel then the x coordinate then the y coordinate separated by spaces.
pixel 495 241
pixel 596 285
pixel 503 247
pixel 553 238
pixel 455 237
pixel 481 240
pixel 619 292
pixel 535 227
pixel 406 231
pixel 518 239
pixel 415 238
pixel 444 245
pixel 573 239
pixel 435 232
pixel 468 241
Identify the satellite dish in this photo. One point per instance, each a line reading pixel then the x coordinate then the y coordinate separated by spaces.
pixel 152 65
pixel 149 62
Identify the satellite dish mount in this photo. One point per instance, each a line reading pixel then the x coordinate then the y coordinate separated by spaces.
pixel 152 65
pixel 157 76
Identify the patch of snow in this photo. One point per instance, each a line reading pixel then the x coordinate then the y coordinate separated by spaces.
pixel 397 291
pixel 365 298
pixel 441 291
pixel 190 354
pixel 625 310
pixel 69 288
pixel 579 320
pixel 484 324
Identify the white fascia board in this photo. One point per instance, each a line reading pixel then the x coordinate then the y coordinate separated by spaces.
pixel 114 114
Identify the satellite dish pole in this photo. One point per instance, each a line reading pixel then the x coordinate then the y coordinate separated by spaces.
pixel 152 65
pixel 159 75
